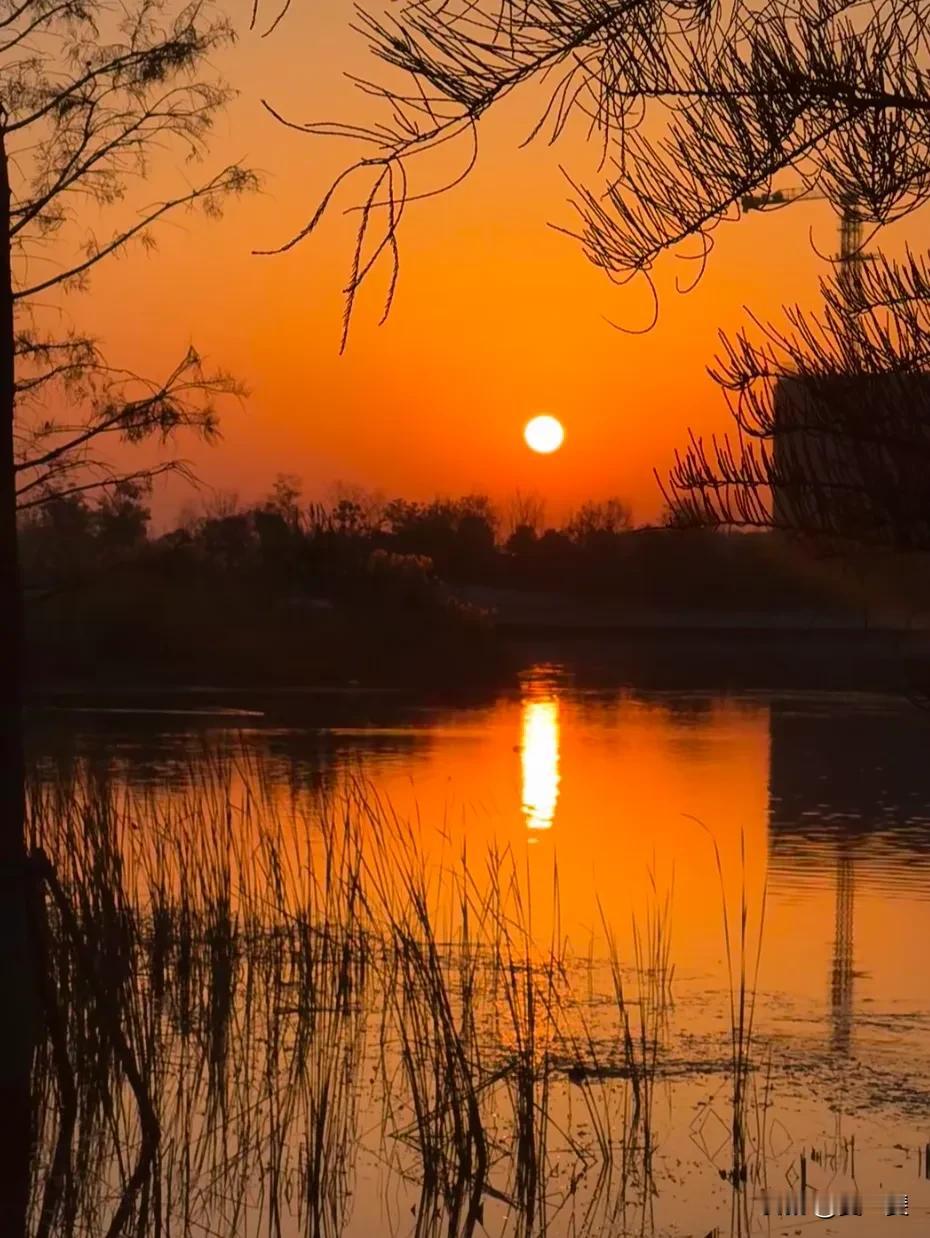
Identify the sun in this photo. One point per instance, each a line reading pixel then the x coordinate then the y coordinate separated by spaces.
pixel 544 434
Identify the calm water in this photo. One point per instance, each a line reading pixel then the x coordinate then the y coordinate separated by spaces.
pixel 615 798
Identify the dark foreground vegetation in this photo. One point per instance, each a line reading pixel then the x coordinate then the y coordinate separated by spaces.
pixel 284 593
pixel 281 1022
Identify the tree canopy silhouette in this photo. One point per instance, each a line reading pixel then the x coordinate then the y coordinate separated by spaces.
pixel 92 94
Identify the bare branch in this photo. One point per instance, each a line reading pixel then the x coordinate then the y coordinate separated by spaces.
pixel 177 467
pixel 234 179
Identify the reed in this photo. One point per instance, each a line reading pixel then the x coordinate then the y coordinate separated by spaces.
pixel 431 988
pixel 295 988
pixel 748 1106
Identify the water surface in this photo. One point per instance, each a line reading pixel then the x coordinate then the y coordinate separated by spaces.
pixel 814 808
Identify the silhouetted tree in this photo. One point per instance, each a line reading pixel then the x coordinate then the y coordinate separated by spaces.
pixel 370 503
pixel 672 517
pixel 228 542
pixel 521 541
pixel 595 521
pixel 70 541
pixel 122 517
pixel 457 535
pixel 57 542
pixel 525 510
pixel 219 504
pixel 69 453
pixel 284 499
pixel 89 93
pixel 554 555
pixel 349 518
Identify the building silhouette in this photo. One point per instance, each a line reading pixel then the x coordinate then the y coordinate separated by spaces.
pixel 851 456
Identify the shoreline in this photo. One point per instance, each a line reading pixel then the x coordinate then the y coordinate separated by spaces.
pixel 712 660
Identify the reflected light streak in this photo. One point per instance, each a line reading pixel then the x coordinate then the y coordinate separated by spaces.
pixel 539 759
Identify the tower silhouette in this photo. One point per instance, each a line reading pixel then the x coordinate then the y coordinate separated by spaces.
pixel 849 802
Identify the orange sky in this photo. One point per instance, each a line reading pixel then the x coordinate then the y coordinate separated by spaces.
pixel 497 316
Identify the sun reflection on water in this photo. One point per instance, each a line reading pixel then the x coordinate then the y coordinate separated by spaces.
pixel 539 759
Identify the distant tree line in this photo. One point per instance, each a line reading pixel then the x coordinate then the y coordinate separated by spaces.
pixel 402 556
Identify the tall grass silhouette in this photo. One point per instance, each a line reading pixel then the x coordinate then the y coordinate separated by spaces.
pixel 248 994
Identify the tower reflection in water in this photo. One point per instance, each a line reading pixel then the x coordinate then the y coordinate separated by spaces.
pixel 539 761
pixel 849 800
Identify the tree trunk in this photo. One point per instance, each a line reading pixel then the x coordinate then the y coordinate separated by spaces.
pixel 17 982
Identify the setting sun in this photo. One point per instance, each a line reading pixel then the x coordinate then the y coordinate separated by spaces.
pixel 544 434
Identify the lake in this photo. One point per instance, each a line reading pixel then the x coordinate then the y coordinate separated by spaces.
pixel 679 842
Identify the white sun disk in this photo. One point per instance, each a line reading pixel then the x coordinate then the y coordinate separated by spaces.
pixel 544 434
